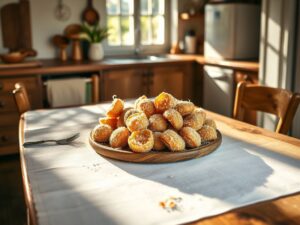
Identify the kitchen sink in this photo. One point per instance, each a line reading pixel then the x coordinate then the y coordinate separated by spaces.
pixel 132 58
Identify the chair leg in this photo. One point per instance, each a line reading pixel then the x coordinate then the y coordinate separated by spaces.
pixel 28 217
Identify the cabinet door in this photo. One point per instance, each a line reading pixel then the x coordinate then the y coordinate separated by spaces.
pixel 169 79
pixel 124 83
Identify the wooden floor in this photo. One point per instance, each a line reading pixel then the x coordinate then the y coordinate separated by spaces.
pixel 12 205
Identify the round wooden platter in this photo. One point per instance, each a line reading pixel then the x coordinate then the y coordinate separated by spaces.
pixel 155 156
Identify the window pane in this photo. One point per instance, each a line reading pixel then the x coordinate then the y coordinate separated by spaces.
pixel 127 28
pixel 113 24
pixel 145 7
pixel 112 6
pixel 158 30
pixel 158 7
pixel 145 30
pixel 127 7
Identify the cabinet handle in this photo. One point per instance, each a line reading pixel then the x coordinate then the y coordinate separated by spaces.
pixel 1 86
pixel 2 104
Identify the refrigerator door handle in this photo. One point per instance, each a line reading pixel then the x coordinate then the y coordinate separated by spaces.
pixel 221 78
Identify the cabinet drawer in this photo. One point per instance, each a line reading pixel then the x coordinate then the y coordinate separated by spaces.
pixel 9 119
pixel 9 149
pixel 7 103
pixel 8 136
pixel 8 84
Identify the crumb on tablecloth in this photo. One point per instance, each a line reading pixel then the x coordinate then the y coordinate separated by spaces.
pixel 171 203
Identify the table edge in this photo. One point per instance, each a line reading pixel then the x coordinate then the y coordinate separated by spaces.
pixel 33 220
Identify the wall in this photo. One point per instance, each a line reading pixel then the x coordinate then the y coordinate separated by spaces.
pixel 276 48
pixel 44 24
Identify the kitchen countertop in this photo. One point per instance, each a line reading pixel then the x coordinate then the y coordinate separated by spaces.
pixel 55 66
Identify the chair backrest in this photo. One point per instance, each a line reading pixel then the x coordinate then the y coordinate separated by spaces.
pixel 21 98
pixel 277 101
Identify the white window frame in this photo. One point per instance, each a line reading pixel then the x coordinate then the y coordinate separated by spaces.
pixel 143 49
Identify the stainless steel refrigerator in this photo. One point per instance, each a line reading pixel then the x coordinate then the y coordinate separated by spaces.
pixel 231 32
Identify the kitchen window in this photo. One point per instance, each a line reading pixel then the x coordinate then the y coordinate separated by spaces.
pixel 137 24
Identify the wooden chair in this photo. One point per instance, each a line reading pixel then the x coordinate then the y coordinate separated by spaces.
pixel 23 103
pixel 21 98
pixel 277 101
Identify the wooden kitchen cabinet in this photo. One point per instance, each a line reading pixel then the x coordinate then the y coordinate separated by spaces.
pixel 124 83
pixel 9 116
pixel 148 80
pixel 174 79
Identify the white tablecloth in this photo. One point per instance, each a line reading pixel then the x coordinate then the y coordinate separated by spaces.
pixel 74 185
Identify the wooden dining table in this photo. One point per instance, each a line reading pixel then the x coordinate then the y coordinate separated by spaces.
pixel 277 210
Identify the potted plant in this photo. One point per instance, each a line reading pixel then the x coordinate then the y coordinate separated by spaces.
pixel 95 35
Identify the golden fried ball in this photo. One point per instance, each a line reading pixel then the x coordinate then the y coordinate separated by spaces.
pixel 174 118
pixel 119 137
pixel 157 123
pixel 173 141
pixel 121 121
pixel 210 122
pixel 195 120
pixel 208 133
pixel 185 107
pixel 116 108
pixel 112 122
pixel 190 136
pixel 129 113
pixel 137 121
pixel 141 141
pixel 158 144
pixel 164 101
pixel 101 133
pixel 147 106
pixel 139 99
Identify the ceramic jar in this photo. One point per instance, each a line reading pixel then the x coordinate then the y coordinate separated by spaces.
pixel 96 52
pixel 190 41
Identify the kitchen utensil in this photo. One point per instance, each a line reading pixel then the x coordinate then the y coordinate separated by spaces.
pixel 155 156
pixel 62 11
pixel 63 141
pixel 73 32
pixel 16 27
pixel 10 26
pixel 62 43
pixel 25 25
pixel 90 14
pixel 13 57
